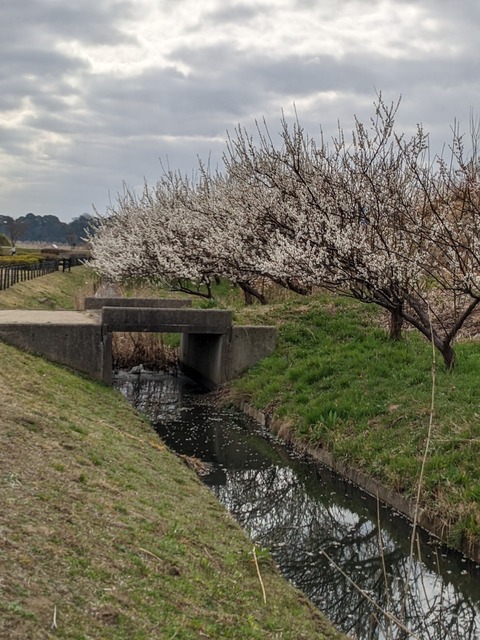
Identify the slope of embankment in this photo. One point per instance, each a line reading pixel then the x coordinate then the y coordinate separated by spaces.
pixel 340 387
pixel 106 534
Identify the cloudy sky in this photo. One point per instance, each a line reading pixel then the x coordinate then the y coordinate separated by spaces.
pixel 98 93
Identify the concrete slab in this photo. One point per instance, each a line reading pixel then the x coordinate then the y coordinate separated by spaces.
pixel 76 340
pixel 156 303
pixel 161 320
pixel 23 316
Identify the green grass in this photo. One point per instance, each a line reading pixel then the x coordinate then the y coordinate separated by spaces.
pixel 106 532
pixel 342 385
pixel 60 290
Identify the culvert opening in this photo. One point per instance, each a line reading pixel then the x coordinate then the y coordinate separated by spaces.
pixel 144 350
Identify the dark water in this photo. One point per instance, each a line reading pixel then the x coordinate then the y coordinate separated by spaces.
pixel 321 530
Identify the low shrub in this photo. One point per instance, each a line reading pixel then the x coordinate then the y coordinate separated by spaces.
pixel 11 261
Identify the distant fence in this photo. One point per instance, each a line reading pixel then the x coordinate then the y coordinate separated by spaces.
pixel 10 275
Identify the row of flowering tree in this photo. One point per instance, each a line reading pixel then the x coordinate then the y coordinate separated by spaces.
pixel 372 217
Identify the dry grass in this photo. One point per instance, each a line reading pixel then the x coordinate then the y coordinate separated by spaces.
pixel 149 349
pixel 103 529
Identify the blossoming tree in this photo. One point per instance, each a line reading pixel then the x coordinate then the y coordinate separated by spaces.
pixel 372 218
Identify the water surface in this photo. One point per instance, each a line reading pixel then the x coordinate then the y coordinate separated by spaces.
pixel 322 531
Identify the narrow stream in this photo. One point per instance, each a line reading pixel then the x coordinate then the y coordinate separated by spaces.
pixel 321 530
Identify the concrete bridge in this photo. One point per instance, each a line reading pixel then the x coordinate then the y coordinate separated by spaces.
pixel 212 349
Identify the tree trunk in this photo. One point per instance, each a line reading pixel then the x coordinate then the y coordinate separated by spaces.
pixel 247 296
pixel 448 355
pixel 396 323
pixel 250 293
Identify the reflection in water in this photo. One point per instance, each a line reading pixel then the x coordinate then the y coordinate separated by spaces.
pixel 322 531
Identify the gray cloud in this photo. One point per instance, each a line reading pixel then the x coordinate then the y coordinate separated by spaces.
pixel 240 13
pixel 36 21
pixel 83 107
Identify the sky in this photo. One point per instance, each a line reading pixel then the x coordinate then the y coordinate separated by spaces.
pixel 98 94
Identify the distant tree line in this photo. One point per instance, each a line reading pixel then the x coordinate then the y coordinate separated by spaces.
pixel 36 228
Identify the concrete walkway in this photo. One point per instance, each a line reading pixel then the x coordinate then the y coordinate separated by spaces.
pixel 23 316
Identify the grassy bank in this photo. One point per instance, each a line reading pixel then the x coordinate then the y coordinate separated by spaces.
pixel 340 384
pixel 58 290
pixel 336 381
pixel 106 534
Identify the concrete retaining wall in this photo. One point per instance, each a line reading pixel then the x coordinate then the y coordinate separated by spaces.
pixel 215 359
pixel 247 346
pixel 85 348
